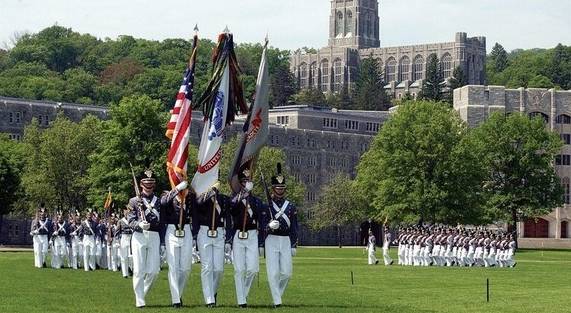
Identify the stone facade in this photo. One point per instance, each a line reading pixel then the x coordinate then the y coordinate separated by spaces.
pixel 476 103
pixel 15 114
pixel 354 36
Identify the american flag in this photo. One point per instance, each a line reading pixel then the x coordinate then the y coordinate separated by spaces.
pixel 178 128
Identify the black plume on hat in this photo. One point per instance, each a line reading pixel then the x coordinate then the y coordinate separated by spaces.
pixel 278 180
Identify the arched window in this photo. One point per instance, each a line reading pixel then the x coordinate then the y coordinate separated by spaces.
pixel 564 226
pixel 366 30
pixel 404 69
pixel 563 119
pixel 446 65
pixel 314 75
pixel 418 68
pixel 348 22
pixel 566 190
pixel 338 78
pixel 390 70
pixel 303 75
pixel 339 23
pixel 542 115
pixel 324 75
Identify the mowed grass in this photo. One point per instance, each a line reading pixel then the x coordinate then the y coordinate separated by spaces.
pixel 541 282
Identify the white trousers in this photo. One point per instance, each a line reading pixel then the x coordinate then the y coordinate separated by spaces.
pixel 60 251
pixel 74 255
pixel 278 264
pixel 211 260
pixel 146 263
pixel 88 252
pixel 386 257
pixel 113 255
pixel 246 264
pixel 40 249
pixel 125 254
pixel 179 259
pixel 371 257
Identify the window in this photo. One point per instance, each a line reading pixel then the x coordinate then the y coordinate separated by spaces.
pixel 324 75
pixel 339 24
pixel 542 115
pixel 446 65
pixel 329 122
pixel 311 179
pixel 314 75
pixel 391 70
pixel 296 160
pixel 566 138
pixel 40 119
pixel 310 143
pixel 332 162
pixel 404 69
pixel 563 119
pixel 354 125
pixel 275 140
pixel 338 78
pixel 18 117
pixel 311 161
pixel 372 127
pixel 11 118
pixel 303 82
pixel 566 194
pixel 15 137
pixel 563 159
pixel 283 120
pixel 349 23
pixel 331 144
pixel 46 120
pixel 310 196
pixel 418 68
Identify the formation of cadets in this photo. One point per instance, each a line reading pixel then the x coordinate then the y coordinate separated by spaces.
pixel 445 246
pixel 216 229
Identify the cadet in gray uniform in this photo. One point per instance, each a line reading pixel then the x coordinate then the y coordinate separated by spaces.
pixel 40 232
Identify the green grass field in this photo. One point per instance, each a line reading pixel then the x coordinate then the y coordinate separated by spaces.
pixel 321 283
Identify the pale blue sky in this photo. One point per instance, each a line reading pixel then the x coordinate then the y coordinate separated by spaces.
pixel 296 23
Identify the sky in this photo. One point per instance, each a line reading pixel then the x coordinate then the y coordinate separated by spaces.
pixel 292 24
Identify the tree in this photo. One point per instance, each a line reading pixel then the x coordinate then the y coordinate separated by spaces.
pixel 418 169
pixel 134 134
pixel 561 66
pixel 517 154
pixel 369 93
pixel 342 100
pixel 499 58
pixel 339 203
pixel 57 162
pixel 432 85
pixel 283 86
pixel 309 96
pixel 11 164
pixel 457 80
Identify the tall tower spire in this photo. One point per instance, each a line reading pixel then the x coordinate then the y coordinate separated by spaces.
pixel 354 24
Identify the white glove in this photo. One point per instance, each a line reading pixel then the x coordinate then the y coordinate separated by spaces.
pixel 54 233
pixel 163 249
pixel 261 251
pixel 293 251
pixel 274 224
pixel 194 247
pixel 227 248
pixel 182 186
pixel 249 186
pixel 144 225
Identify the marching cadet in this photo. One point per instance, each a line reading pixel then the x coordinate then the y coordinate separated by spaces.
pixel 245 210
pixel 60 235
pixel 113 243
pixel 144 219
pixel 279 221
pixel 125 232
pixel 386 245
pixel 371 243
pixel 511 247
pixel 208 227
pixel 88 230
pixel 75 223
pixel 178 239
pixel 100 242
pixel 40 232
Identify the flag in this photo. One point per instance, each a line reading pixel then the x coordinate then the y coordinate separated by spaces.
pixel 178 127
pixel 256 127
pixel 221 101
pixel 108 203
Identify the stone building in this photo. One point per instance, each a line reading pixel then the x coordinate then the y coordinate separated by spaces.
pixel 354 36
pixel 15 114
pixel 476 103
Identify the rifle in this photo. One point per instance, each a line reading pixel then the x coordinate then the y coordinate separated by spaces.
pixel 267 194
pixel 137 191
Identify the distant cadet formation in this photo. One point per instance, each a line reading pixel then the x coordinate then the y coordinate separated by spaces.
pixel 216 229
pixel 447 246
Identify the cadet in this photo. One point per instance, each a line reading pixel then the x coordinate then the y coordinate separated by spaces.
pixel 60 235
pixel 75 224
pixel 178 239
pixel 245 210
pixel 280 223
pixel 386 246
pixel 125 232
pixel 208 227
pixel 40 232
pixel 144 219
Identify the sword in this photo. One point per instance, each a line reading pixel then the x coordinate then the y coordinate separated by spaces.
pixel 137 191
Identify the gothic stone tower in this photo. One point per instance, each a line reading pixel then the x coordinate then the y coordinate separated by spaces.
pixel 354 24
